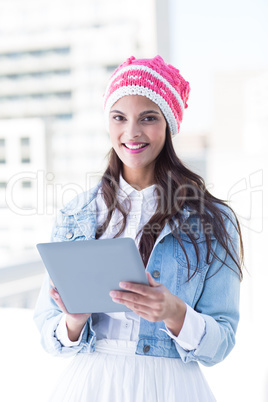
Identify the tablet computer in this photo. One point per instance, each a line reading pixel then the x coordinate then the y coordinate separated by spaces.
pixel 84 272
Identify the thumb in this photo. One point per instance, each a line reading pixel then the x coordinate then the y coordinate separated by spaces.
pixel 151 280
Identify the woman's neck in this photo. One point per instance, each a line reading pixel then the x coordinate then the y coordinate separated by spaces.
pixel 139 179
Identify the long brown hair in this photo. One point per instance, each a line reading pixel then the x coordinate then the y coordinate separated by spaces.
pixel 177 187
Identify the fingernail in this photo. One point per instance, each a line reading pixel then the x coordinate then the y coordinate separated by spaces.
pixel 122 284
pixel 112 293
pixel 116 300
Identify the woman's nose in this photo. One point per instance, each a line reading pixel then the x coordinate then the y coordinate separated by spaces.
pixel 133 130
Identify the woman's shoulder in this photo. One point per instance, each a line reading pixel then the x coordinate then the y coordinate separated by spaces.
pixel 217 214
pixel 81 201
pixel 226 211
pixel 222 208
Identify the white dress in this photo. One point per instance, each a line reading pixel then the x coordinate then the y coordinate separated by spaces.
pixel 114 373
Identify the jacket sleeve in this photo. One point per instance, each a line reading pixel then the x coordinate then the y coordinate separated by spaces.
pixel 47 316
pixel 219 306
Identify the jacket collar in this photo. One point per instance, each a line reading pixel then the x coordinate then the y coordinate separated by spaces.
pixel 126 190
pixel 83 208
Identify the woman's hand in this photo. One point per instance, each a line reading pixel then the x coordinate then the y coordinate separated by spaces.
pixel 153 303
pixel 74 322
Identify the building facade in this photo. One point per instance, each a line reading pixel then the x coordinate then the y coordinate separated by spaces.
pixel 55 61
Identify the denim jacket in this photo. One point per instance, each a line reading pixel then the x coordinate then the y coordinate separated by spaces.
pixel 212 292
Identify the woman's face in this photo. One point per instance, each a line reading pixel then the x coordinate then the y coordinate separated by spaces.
pixel 138 131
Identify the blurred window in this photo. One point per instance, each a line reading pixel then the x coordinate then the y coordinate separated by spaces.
pixel 35 53
pixel 25 150
pixel 26 184
pixel 37 74
pixel 111 68
pixel 2 150
pixel 66 116
pixel 49 95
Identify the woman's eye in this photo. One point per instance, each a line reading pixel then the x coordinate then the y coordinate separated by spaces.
pixel 118 118
pixel 149 118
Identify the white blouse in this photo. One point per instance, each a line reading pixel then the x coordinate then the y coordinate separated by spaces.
pixel 126 325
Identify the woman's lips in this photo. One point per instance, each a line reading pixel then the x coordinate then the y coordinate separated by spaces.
pixel 135 147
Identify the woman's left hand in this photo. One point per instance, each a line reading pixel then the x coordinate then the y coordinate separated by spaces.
pixel 153 302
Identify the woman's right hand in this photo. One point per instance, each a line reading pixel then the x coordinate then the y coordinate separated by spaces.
pixel 74 322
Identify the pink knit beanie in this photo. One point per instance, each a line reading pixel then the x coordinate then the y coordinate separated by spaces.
pixel 155 79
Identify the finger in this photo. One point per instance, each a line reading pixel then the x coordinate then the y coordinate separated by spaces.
pixel 137 308
pixel 152 307
pixel 56 297
pixel 152 295
pixel 129 297
pixel 143 290
pixel 151 280
pixel 52 284
pixel 146 317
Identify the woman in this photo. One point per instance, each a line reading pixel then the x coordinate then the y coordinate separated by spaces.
pixel 189 242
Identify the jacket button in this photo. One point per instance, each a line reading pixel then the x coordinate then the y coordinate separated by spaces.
pixel 146 348
pixel 156 274
pixel 69 235
pixel 162 240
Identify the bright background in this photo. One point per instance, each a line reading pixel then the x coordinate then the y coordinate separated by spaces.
pixel 55 60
